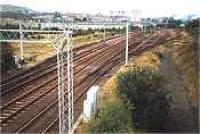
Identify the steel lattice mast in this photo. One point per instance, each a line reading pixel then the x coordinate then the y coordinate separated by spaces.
pixel 64 49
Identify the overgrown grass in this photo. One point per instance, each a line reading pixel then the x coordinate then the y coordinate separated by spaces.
pixel 35 52
pixel 186 58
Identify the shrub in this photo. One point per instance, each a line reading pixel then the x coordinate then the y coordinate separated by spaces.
pixel 6 61
pixel 142 88
pixel 40 36
pixel 113 118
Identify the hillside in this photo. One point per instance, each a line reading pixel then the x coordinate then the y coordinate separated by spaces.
pixel 16 9
pixel 16 12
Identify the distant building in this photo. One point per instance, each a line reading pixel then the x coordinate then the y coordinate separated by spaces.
pixel 182 25
pixel 136 16
pixel 94 26
pixel 76 26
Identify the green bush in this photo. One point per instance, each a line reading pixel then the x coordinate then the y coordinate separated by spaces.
pixel 142 88
pixel 113 118
pixel 7 61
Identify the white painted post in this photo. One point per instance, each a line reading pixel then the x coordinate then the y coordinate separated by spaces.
pixel 90 104
pixel 16 59
pixel 104 32
pixel 21 42
pixel 49 28
pixel 127 25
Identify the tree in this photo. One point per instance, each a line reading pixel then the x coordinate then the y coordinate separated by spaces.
pixel 76 19
pixel 7 61
pixel 57 15
pixel 142 88
pixel 84 19
pixel 193 24
pixel 113 118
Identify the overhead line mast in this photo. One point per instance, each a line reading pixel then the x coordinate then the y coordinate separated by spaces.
pixel 64 50
pixel 127 36
pixel 21 43
pixel 64 47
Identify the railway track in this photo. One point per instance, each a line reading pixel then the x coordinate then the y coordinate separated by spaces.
pixel 104 59
pixel 11 110
pixel 46 63
pixel 53 127
pixel 51 62
pixel 28 91
pixel 79 91
pixel 49 70
pixel 91 78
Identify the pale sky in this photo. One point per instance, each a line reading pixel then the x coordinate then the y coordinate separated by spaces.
pixel 149 8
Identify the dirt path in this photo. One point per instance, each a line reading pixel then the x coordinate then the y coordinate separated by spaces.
pixel 182 117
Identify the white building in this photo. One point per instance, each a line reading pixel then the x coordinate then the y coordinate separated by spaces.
pixel 86 26
pixel 83 26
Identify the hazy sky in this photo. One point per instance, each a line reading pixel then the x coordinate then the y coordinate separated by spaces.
pixel 150 8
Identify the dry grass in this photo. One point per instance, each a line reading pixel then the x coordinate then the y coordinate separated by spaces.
pixel 109 90
pixel 82 40
pixel 149 59
pixel 35 52
pixel 186 58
